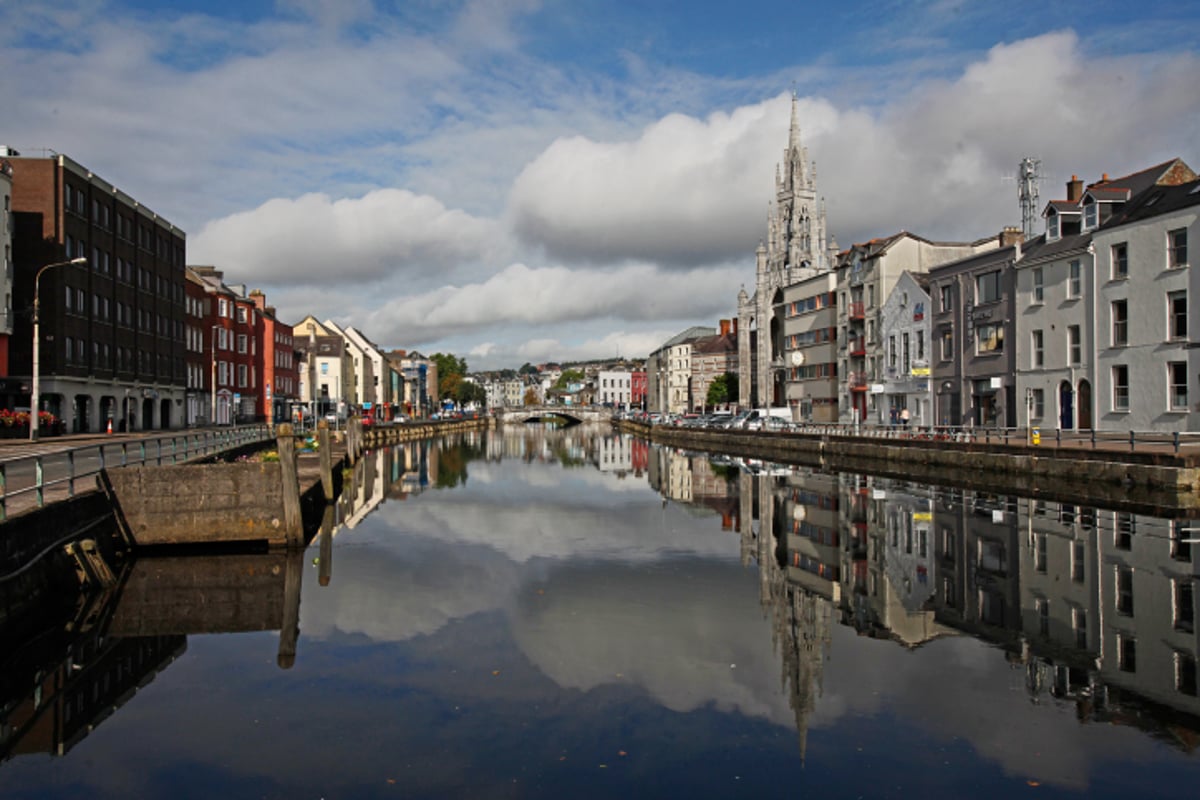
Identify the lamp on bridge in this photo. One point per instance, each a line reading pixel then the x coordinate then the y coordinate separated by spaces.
pixel 34 397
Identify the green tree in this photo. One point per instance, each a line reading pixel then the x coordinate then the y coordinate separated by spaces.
pixel 722 390
pixel 527 369
pixel 568 377
pixel 448 385
pixel 470 392
pixel 450 369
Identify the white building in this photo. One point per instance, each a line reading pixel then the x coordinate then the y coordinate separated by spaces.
pixel 364 382
pixel 327 379
pixel 1055 366
pixel 1102 306
pixel 614 388
pixel 1146 366
pixel 905 330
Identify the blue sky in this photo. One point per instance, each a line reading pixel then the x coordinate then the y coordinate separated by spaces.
pixel 524 180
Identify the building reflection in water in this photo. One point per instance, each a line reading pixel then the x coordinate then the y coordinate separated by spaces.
pixel 1096 606
pixel 65 667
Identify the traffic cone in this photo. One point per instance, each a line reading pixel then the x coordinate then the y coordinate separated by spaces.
pixel 110 426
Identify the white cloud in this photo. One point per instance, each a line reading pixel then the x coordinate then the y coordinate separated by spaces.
pixel 935 160
pixel 315 239
pixel 527 296
pixel 686 192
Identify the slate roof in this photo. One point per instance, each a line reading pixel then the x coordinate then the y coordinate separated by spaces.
pixel 1160 200
pixel 1038 249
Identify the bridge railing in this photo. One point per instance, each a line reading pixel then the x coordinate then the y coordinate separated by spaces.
pixel 31 481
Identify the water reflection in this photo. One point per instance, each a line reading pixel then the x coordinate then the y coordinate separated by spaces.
pixel 1097 607
pixel 72 662
pixel 504 613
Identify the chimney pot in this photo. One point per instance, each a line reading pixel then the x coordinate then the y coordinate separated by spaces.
pixel 1074 189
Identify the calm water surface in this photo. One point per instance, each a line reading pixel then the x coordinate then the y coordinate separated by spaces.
pixel 574 614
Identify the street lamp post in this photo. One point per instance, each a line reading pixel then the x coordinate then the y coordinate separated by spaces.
pixel 213 378
pixel 35 399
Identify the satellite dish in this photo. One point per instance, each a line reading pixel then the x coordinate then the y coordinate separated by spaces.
pixel 797 358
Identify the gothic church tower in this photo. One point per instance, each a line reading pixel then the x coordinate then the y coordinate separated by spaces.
pixel 795 249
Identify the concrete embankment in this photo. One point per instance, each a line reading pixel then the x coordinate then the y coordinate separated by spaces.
pixel 382 435
pixel 250 502
pixel 1145 479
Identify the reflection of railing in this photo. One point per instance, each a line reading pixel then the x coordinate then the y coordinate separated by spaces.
pixel 33 476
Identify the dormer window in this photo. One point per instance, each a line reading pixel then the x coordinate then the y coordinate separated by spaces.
pixel 1052 226
pixel 1091 214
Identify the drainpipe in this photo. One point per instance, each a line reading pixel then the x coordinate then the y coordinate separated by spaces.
pixel 1090 371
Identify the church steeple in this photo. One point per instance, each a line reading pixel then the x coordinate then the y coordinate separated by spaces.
pixel 795 248
pixel 794 132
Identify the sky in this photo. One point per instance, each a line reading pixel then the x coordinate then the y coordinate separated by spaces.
pixel 523 181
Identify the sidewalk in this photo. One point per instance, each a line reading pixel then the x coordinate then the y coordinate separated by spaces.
pixel 12 449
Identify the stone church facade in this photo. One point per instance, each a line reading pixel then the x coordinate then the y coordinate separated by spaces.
pixel 796 248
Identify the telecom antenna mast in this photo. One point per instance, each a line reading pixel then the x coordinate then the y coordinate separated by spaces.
pixel 1029 175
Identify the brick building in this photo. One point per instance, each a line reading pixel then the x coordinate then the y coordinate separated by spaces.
pixel 276 362
pixel 112 331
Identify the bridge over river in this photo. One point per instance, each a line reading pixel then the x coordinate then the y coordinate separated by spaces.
pixel 517 416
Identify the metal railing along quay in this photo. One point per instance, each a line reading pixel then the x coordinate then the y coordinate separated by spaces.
pixel 1173 441
pixel 1176 442
pixel 31 480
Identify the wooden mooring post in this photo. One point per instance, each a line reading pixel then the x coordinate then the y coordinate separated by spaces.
pixel 326 454
pixel 289 631
pixel 352 431
pixel 325 567
pixel 289 476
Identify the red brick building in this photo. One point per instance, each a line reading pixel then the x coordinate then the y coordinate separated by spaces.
pixel 637 389
pixel 276 363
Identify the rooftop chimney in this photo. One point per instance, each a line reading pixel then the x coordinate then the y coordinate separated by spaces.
pixel 1074 189
pixel 1011 235
pixel 724 327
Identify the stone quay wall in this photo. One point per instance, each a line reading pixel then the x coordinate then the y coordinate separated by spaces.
pixel 1147 480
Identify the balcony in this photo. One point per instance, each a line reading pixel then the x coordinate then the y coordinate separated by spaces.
pixel 857 381
pixel 858 346
pixel 857 311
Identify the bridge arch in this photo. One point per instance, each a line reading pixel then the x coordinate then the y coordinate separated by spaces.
pixel 573 414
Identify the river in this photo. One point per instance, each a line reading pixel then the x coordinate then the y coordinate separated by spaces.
pixel 573 613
